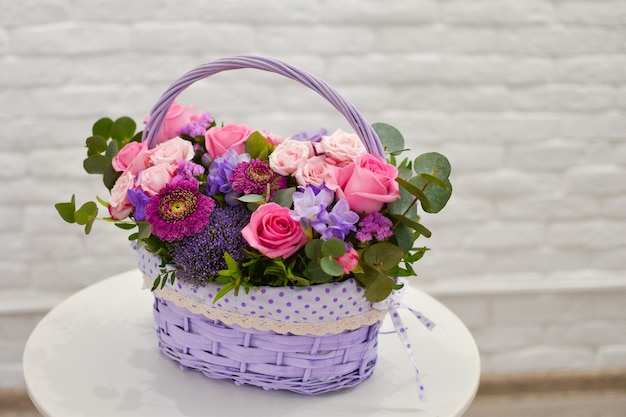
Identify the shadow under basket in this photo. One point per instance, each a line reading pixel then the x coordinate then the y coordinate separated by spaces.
pixel 300 363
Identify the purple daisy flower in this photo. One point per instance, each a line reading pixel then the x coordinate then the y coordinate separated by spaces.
pixel 178 210
pixel 254 176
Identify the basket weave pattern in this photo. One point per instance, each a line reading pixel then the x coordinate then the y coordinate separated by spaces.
pixel 302 364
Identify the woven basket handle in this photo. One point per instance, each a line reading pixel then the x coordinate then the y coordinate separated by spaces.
pixel 362 128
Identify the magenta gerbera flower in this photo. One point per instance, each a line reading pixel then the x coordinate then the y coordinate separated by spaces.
pixel 178 210
pixel 254 176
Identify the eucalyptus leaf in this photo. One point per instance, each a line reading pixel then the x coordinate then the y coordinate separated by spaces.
pixel 102 128
pixel 418 227
pixel 123 129
pixel 67 210
pixel 403 235
pixel 112 149
pixel 109 176
pixel 96 164
pixel 125 226
pixel 95 145
pixel 284 197
pixel 390 137
pixel 331 267
pixel 379 289
pixel 252 198
pixel 333 247
pixel 436 195
pixel 383 256
pixel 316 274
pixel 433 163
pixel 87 212
pixel 313 249
pixel 414 190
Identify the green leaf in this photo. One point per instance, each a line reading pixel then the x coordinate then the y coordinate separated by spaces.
pixel 313 249
pixel 433 163
pixel 125 226
pixel 112 149
pixel 390 137
pixel 230 262
pixel 123 129
pixel 95 145
pixel 333 247
pixel 404 237
pixel 284 197
pixel 109 176
pixel 414 190
pixel 436 195
pixel 257 146
pixel 96 164
pixel 252 198
pixel 404 205
pixel 383 256
pixel 225 289
pixel 155 284
pixel 102 128
pixel 144 231
pixel 418 227
pixel 331 267
pixel 317 275
pixel 379 289
pixel 87 212
pixel 67 210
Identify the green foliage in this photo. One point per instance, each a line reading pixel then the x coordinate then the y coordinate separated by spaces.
pixel 390 137
pixel 84 216
pixel 258 147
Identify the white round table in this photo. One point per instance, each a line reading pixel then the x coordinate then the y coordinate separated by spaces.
pixel 96 354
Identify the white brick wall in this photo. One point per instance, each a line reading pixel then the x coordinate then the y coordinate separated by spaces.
pixel 526 97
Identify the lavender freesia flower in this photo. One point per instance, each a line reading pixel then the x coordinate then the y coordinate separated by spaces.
pixel 308 204
pixel 336 223
pixel 139 199
pixel 311 135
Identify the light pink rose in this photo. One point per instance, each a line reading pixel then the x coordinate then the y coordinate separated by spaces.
pixel 316 171
pixel 172 151
pixel 153 178
pixel 221 138
pixel 119 205
pixel 368 183
pixel 177 117
pixel 341 147
pixel 124 157
pixel 272 138
pixel 141 161
pixel 273 232
pixel 349 260
pixel 289 156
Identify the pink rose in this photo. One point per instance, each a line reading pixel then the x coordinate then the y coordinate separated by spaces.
pixel 124 157
pixel 177 117
pixel 272 138
pixel 273 232
pixel 341 147
pixel 172 151
pixel 316 171
pixel 119 205
pixel 368 183
pixel 348 260
pixel 153 178
pixel 289 156
pixel 141 161
pixel 219 139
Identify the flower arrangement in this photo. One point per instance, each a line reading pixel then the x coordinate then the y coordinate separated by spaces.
pixel 244 207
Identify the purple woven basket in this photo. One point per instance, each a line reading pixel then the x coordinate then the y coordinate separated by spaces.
pixel 306 364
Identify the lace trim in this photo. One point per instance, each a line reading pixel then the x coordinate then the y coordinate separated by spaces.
pixel 264 324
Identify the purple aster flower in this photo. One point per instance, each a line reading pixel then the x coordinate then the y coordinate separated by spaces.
pixel 253 178
pixel 139 199
pixel 199 258
pixel 374 225
pixel 197 127
pixel 221 170
pixel 178 210
pixel 308 204
pixel 311 135
pixel 337 223
pixel 187 170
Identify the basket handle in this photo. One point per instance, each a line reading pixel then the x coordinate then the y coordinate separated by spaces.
pixel 157 115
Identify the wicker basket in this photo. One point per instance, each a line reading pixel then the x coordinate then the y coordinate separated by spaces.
pixel 270 350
